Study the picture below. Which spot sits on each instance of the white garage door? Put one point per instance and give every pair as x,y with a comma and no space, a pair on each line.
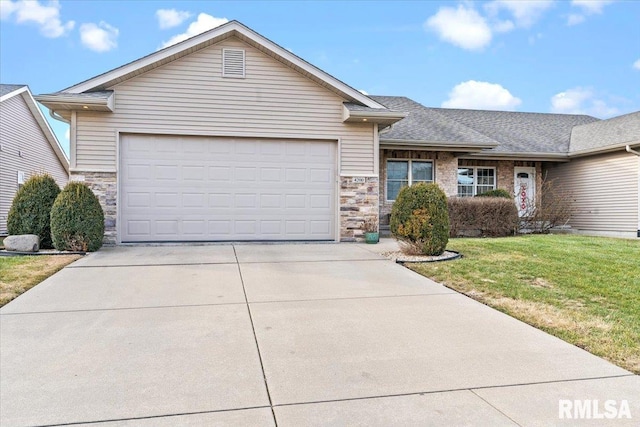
175,188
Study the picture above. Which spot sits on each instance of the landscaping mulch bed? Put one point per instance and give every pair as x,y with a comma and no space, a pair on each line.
401,258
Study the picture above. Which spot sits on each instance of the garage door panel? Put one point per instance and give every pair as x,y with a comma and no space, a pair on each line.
197,188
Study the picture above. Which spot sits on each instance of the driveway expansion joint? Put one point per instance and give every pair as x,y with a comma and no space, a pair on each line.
149,265
495,408
91,310
150,417
471,389
255,337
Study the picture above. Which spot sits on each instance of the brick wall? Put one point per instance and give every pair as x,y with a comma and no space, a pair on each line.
104,186
445,167
358,202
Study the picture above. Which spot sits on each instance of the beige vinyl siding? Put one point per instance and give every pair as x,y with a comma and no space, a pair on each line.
606,191
190,97
21,133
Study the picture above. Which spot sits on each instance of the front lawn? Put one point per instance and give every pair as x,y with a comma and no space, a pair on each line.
584,290
20,273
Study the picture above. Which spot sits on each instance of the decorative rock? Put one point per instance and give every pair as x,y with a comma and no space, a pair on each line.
22,243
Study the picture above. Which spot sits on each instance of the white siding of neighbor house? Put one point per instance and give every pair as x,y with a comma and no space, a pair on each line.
189,96
606,191
24,148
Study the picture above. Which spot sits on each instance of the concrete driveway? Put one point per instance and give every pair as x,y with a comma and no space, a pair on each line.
287,335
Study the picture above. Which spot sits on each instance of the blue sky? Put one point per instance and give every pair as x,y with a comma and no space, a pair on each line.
580,56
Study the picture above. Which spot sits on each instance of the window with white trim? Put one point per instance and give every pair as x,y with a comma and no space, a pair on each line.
406,172
475,180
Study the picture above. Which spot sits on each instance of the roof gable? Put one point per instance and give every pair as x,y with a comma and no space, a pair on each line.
9,91
603,134
201,41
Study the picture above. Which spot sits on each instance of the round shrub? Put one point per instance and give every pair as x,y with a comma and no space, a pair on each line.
77,219
497,193
419,219
29,213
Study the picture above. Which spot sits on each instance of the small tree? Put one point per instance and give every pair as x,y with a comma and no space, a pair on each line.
31,207
554,208
77,219
420,220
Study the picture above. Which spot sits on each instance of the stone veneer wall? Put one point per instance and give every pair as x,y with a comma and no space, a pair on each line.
358,202
104,186
446,173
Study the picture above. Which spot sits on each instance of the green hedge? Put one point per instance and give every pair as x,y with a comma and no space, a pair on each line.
419,219
77,219
31,208
482,217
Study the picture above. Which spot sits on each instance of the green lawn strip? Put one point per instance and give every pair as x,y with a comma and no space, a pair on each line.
585,290
21,273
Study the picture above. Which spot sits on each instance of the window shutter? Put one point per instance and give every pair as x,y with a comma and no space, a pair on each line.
233,64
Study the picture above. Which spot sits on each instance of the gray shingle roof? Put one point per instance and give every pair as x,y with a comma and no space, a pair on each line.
5,89
423,124
521,132
512,132
617,130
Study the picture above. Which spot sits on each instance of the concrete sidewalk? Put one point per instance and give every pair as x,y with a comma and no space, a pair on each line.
288,335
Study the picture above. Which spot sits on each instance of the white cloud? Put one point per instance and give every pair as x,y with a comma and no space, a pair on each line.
481,95
100,38
575,19
636,65
591,6
463,27
169,18
503,26
525,13
47,17
587,7
581,100
203,23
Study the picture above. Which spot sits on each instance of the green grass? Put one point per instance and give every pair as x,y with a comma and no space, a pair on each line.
585,290
20,273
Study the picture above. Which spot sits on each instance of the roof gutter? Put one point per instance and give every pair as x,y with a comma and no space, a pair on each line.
384,117
531,156
629,150
71,101
440,145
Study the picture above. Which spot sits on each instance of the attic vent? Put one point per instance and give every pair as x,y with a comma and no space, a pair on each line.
233,63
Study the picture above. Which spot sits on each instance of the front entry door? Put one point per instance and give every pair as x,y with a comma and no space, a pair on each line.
525,189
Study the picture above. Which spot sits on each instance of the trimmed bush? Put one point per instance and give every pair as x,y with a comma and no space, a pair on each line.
77,219
419,219
482,217
31,207
497,193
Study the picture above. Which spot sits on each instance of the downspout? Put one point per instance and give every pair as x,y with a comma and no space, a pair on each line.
629,150
58,117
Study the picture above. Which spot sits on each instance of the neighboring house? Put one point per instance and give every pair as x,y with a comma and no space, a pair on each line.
228,136
604,176
27,146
